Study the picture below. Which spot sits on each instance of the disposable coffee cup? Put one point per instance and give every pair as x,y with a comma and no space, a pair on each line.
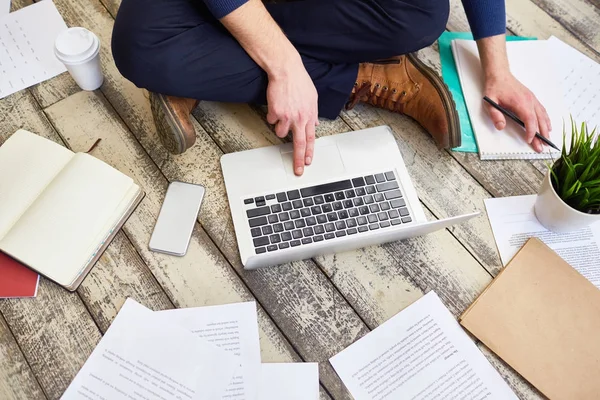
79,50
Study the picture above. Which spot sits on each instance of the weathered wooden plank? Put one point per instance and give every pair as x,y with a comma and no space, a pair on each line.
55,332
18,4
203,276
16,378
120,273
21,111
525,18
112,6
581,17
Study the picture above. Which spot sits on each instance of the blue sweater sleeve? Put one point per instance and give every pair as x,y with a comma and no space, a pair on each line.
220,8
486,17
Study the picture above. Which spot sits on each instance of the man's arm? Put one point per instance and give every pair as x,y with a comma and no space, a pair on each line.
487,19
502,87
291,94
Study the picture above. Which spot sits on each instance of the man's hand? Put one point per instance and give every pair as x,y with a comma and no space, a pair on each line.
503,88
291,94
513,95
292,101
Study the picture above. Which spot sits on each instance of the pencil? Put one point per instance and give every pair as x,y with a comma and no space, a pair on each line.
517,120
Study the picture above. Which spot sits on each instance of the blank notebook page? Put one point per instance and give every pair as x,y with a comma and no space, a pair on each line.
28,163
59,233
530,63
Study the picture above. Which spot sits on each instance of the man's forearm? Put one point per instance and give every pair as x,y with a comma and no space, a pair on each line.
492,52
261,37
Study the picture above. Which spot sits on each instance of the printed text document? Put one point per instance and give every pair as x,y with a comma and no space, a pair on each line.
421,353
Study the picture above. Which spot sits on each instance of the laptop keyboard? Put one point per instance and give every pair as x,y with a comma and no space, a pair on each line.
325,212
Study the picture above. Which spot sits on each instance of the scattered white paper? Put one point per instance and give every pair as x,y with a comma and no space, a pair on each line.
27,47
421,353
513,223
4,7
289,381
580,82
140,358
233,328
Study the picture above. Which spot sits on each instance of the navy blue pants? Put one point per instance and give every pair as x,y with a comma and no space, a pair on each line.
176,47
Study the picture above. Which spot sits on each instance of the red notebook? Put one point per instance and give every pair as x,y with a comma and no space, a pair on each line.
16,280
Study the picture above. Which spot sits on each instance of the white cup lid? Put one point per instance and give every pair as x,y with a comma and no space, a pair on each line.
75,44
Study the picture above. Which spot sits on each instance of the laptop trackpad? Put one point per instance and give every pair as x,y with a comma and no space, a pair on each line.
326,162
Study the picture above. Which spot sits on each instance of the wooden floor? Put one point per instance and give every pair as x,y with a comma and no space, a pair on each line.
308,310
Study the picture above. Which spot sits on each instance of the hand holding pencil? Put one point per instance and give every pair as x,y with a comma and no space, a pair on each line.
511,95
512,116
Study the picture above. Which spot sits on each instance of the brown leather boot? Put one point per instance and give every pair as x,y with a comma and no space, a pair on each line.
173,122
404,84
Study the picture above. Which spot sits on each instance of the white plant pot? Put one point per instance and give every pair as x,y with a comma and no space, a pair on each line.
556,215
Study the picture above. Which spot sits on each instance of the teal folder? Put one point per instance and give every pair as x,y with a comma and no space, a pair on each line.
450,75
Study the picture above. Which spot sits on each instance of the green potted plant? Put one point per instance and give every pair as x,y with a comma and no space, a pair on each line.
569,198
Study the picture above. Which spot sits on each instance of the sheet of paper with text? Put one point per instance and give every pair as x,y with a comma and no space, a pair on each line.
140,358
27,46
580,82
420,353
513,222
231,327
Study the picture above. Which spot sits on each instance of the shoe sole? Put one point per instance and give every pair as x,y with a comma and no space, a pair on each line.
170,132
447,100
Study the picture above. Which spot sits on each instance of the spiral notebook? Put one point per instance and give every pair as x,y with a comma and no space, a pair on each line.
532,64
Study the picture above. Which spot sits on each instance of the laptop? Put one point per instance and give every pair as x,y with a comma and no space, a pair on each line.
356,193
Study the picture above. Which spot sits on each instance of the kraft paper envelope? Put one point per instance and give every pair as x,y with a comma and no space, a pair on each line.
542,318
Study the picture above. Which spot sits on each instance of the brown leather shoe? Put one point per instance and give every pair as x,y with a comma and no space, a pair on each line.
404,84
173,123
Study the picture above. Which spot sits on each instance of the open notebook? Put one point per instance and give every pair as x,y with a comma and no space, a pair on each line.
59,209
530,63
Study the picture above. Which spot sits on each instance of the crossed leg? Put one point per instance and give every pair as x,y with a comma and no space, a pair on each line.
178,48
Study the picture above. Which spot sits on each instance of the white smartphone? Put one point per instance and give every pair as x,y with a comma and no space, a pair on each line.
177,218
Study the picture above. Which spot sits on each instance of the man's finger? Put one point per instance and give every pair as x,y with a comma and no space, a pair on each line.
531,126
537,145
310,142
272,117
299,148
282,128
542,121
496,116
547,118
